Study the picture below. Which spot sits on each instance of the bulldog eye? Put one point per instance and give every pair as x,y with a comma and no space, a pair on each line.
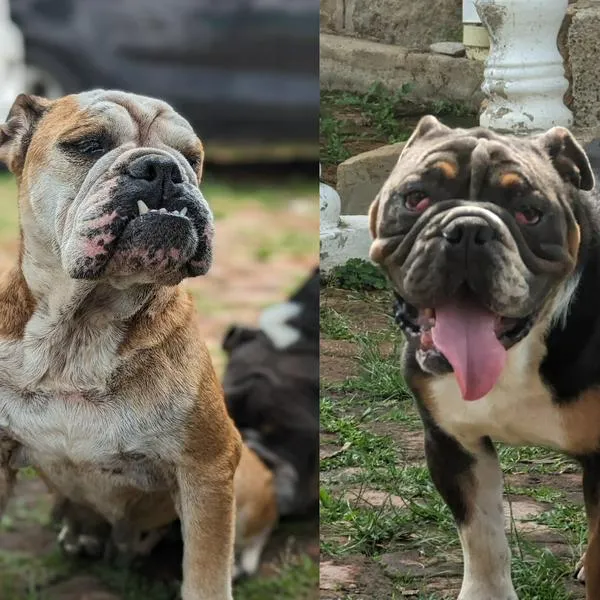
528,216
89,147
193,160
416,201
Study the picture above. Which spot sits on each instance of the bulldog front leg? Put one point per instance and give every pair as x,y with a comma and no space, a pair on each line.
471,485
590,571
8,471
206,510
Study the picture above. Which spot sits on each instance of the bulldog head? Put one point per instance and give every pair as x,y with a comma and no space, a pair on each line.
108,187
478,233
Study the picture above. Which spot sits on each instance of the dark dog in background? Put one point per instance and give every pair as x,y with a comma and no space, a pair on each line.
272,392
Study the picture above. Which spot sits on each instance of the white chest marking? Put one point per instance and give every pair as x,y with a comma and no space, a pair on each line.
273,322
518,411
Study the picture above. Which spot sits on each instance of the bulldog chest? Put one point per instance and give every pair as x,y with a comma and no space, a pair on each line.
518,411
66,436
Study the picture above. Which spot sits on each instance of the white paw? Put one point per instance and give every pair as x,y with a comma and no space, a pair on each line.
580,570
79,545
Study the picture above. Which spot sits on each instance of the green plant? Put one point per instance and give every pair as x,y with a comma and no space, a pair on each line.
334,151
357,274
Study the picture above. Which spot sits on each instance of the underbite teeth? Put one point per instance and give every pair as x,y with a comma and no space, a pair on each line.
143,208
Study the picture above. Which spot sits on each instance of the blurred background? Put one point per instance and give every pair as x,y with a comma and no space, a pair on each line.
245,74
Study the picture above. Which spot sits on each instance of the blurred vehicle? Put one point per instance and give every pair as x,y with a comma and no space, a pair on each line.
239,70
12,66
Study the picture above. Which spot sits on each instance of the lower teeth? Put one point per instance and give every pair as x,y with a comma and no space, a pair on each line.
164,211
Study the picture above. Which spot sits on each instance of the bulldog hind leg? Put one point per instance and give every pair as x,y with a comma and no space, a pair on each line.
471,485
588,569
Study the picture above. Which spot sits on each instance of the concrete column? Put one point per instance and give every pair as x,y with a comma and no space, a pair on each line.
524,75
342,237
475,35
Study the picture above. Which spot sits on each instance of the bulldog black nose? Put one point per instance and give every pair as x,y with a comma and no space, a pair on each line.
156,169
467,231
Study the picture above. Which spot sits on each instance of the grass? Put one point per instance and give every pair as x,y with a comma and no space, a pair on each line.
295,580
377,498
379,375
351,123
334,325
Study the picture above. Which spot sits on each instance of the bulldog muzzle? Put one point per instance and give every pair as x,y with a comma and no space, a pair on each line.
142,215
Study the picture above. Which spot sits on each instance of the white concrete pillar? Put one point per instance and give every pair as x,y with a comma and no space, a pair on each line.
342,237
524,75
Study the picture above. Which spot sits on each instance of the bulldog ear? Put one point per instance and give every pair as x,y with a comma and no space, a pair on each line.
15,134
568,157
427,126
236,336
373,211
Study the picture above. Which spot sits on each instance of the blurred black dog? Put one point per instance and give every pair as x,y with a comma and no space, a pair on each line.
272,391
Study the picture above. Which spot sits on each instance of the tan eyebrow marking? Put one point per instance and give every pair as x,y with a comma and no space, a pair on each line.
448,168
511,179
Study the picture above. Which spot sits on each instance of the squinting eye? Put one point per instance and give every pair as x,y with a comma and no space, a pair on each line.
89,147
528,216
417,201
194,161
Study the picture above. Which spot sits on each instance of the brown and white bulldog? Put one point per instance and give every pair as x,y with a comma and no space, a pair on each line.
105,385
492,245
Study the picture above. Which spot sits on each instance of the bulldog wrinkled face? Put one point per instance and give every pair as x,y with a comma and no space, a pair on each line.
478,236
112,186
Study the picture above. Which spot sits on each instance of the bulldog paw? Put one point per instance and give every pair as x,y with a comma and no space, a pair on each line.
580,570
79,544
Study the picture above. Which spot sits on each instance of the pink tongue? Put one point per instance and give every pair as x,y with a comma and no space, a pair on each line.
465,335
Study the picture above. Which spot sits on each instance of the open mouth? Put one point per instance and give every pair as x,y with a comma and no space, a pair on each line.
464,337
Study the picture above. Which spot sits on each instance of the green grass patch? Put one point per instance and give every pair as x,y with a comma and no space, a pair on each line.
295,580
379,107
291,243
368,460
533,459
225,196
380,377
331,129
538,574
130,585
333,325
352,122
357,274
364,449
567,518
22,575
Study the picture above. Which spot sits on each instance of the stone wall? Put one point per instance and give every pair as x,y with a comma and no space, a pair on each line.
412,24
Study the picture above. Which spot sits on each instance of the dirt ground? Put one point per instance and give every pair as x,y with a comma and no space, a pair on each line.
266,244
385,532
